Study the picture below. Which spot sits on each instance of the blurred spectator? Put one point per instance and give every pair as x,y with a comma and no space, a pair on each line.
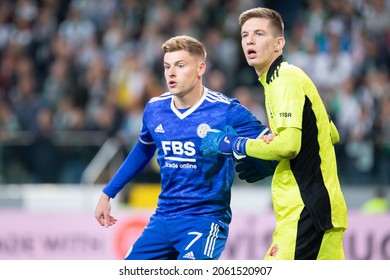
66,115
132,121
113,39
222,55
216,80
246,98
39,48
96,82
56,84
376,16
332,66
25,14
128,81
9,124
8,63
360,148
344,107
7,27
76,30
26,102
44,157
109,119
383,134
98,11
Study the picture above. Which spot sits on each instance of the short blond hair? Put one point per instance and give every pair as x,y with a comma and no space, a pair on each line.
186,43
260,12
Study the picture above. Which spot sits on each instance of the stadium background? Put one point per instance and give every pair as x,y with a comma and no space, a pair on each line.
74,78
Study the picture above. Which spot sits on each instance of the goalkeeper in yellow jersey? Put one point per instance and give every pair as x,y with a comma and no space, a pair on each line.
310,210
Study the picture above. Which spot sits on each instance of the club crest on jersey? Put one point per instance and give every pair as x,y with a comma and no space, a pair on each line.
202,129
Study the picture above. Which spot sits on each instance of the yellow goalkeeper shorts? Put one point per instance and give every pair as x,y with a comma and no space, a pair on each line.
298,240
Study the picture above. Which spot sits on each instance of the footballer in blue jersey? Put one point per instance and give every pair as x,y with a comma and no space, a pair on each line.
193,212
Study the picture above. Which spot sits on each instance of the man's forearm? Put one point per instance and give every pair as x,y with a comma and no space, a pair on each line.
285,145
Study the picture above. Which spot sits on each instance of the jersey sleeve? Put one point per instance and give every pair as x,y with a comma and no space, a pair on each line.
137,159
288,113
145,136
285,145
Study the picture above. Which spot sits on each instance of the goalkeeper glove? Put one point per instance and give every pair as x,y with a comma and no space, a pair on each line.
218,142
253,169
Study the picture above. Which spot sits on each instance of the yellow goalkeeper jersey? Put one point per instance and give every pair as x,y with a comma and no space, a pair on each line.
310,179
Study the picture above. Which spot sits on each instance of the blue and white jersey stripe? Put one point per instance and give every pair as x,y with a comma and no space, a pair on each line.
213,96
212,237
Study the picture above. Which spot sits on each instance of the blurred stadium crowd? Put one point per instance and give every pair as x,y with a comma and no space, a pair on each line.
74,73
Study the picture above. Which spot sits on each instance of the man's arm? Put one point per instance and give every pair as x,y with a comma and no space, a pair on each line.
285,145
135,162
138,158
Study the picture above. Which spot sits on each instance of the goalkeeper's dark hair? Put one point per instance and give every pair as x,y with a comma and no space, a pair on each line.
185,43
260,12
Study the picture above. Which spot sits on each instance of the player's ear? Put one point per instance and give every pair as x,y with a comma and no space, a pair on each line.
280,43
201,68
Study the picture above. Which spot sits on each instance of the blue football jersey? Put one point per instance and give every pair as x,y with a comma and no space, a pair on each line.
192,184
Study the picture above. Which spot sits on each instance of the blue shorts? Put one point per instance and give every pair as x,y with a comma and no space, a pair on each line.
188,238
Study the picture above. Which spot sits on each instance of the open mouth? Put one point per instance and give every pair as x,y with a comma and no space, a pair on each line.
251,53
172,83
